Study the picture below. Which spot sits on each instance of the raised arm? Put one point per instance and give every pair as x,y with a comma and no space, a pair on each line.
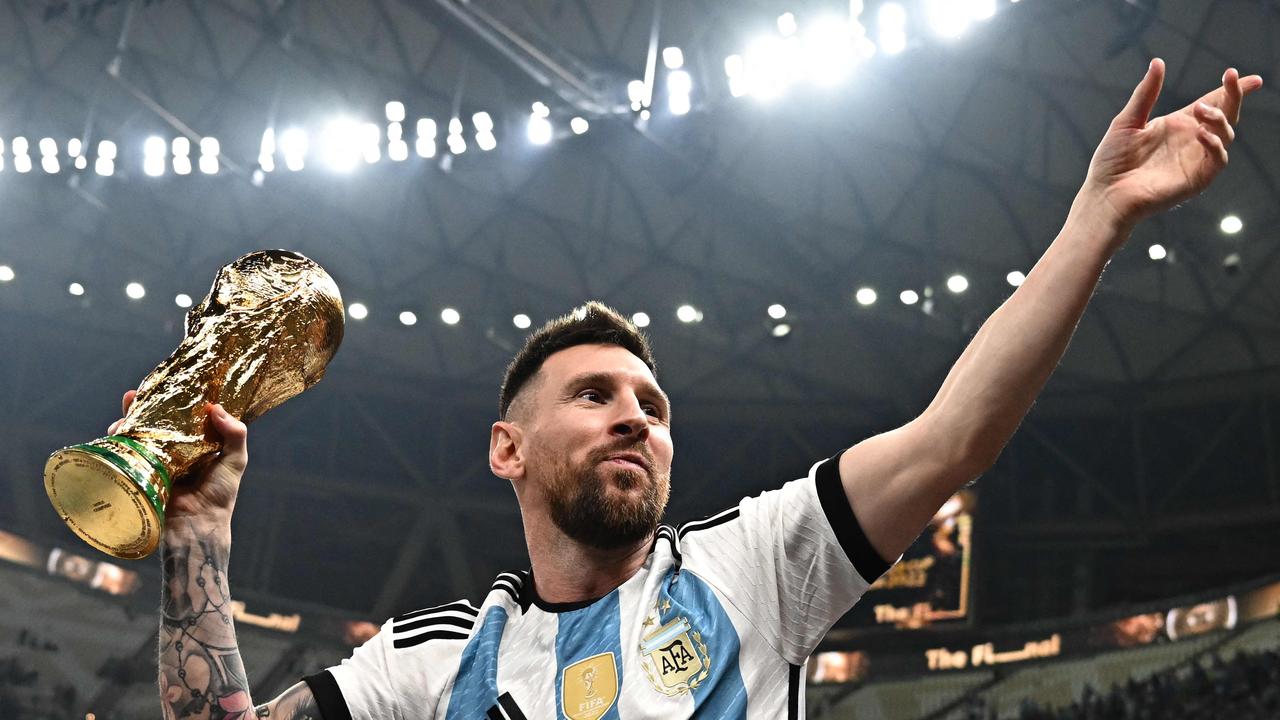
201,673
898,480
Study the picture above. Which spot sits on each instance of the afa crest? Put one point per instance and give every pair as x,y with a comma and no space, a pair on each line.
588,688
674,656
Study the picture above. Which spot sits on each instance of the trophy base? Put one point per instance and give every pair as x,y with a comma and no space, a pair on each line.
112,493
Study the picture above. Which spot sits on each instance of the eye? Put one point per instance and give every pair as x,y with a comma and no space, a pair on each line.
651,409
594,396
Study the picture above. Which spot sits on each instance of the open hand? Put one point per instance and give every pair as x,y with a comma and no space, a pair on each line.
210,494
1144,166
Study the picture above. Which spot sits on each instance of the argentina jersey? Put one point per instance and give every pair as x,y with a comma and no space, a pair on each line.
718,623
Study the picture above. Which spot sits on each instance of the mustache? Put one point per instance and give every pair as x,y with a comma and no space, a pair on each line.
639,448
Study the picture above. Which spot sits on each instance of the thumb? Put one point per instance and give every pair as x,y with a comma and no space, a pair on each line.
233,435
1143,101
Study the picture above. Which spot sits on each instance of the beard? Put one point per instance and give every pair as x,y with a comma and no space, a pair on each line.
584,508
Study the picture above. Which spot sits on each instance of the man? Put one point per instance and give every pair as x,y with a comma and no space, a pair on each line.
623,617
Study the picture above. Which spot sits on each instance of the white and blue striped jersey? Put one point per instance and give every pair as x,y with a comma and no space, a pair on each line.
718,623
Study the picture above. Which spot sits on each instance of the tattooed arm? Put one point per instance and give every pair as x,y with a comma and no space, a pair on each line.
296,703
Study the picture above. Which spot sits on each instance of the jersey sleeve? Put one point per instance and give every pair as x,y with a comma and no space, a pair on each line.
360,688
792,560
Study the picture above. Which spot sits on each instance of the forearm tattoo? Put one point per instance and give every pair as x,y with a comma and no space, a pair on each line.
296,703
201,673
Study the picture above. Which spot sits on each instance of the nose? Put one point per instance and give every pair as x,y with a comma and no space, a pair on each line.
632,421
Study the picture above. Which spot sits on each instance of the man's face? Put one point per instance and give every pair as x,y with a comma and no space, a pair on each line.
598,445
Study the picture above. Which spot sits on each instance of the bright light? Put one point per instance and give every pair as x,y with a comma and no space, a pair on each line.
81,163
181,146
209,164
981,9
267,151
679,104
828,53
640,319
679,82
539,130
6,273
74,147
1157,252
408,318
865,296
135,291
579,125
688,314
425,145
395,131
770,65
50,164
340,145
395,111
210,146
521,321
155,145
948,18
450,316
541,110
1015,278
182,300
22,163
787,24
105,167
153,165
75,289
486,141
19,146
182,165
482,122
892,21
398,150
293,143
48,146
781,330
427,128
909,297
107,150
457,144
735,70
957,283
673,58
777,312
357,311
636,92
1231,225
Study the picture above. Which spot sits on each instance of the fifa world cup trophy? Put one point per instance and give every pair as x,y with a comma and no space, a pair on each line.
265,332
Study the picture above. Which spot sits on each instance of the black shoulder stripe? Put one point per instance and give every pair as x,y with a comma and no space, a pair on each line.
408,642
835,505
432,622
508,704
494,714
459,606
707,523
328,696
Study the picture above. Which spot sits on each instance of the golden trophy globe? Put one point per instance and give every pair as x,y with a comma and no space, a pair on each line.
264,333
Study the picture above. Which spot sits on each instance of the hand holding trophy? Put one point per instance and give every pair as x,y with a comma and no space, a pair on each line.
266,331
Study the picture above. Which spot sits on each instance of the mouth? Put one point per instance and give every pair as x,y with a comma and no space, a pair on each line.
629,461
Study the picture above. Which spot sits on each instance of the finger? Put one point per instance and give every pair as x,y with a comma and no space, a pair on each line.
113,427
1234,94
1135,113
233,434
1215,119
127,401
1213,144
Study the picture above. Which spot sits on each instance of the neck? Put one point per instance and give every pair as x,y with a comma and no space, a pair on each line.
565,571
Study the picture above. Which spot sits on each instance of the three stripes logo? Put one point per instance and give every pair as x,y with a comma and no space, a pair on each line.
444,622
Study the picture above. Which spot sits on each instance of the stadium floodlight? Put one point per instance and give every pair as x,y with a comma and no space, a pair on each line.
267,150
892,24
781,330
829,51
948,18
293,144
340,144
540,109
672,58
181,146
450,316
107,149
74,147
104,166
735,70
49,155
457,144
640,319
522,321
408,318
787,24
371,142
153,155
636,92
398,150
770,64
688,314
20,146
425,145
909,297
777,312
865,296
81,162
679,82
482,122
1157,252
135,291
76,289
1231,225
579,125
395,131
6,273
395,111
1016,278
679,104
22,163
210,149
540,130
981,9
957,283
182,165
357,311
182,300
48,146
486,141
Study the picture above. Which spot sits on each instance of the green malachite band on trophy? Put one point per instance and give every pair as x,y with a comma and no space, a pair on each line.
161,470
147,487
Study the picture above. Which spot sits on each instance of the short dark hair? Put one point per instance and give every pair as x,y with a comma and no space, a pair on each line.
592,324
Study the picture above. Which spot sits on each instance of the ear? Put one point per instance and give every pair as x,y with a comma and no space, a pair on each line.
505,457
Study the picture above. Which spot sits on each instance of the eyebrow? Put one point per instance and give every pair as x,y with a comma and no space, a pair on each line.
611,378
